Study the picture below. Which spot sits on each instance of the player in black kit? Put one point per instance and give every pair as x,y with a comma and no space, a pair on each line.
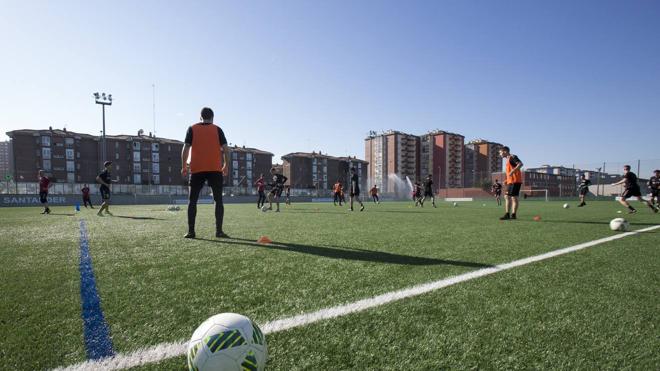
497,191
654,187
355,189
277,186
583,189
428,190
631,189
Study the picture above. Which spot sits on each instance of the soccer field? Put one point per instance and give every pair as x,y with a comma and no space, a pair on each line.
596,308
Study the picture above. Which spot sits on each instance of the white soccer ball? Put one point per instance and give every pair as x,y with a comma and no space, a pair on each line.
566,206
227,342
171,208
177,208
264,208
619,224
455,204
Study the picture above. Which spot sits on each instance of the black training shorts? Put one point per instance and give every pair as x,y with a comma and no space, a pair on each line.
631,192
276,191
513,190
43,197
584,191
355,192
105,192
428,193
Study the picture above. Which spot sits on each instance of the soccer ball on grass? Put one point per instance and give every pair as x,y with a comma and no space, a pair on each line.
227,341
566,206
264,208
619,224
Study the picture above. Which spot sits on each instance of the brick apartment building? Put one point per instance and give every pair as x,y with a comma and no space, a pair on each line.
318,171
391,155
69,157
482,158
442,155
245,166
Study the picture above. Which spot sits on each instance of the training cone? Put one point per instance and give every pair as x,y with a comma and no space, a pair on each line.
264,240
537,218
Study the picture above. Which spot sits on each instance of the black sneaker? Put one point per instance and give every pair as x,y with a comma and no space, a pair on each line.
48,211
361,207
189,235
513,216
221,235
505,217
633,211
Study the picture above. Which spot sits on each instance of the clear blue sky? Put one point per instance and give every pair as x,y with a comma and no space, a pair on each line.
560,82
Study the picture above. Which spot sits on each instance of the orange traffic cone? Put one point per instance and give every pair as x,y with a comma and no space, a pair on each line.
264,240
537,218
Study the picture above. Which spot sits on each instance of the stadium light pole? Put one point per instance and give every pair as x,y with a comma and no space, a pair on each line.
103,100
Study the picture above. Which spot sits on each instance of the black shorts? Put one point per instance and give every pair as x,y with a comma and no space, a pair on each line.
43,197
631,192
513,190
276,191
355,192
655,193
105,192
584,191
428,193
498,193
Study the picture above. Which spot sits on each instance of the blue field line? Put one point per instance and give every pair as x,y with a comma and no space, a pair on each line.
97,334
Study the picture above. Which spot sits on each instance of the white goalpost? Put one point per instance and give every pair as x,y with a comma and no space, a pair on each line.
536,193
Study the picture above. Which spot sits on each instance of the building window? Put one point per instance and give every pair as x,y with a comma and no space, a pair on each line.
136,156
235,182
46,165
137,167
116,145
68,141
70,166
116,156
248,157
45,141
155,157
117,167
169,148
169,169
136,146
137,179
156,179
78,166
70,177
249,175
45,153
154,147
77,154
234,164
155,167
69,154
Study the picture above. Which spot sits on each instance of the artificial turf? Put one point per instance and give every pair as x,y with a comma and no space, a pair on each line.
592,309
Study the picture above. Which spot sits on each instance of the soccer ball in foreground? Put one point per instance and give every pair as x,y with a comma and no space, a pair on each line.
455,204
619,224
264,208
566,206
227,341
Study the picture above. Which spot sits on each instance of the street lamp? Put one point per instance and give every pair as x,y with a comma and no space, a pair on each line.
103,100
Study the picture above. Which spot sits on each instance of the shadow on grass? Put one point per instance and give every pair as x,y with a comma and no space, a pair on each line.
350,253
60,214
138,217
590,222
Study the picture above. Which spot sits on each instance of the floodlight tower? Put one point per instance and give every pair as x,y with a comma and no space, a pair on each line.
103,100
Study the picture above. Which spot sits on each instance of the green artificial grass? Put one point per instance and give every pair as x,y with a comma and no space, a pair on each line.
573,311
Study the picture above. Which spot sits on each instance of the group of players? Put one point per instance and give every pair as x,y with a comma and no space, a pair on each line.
204,159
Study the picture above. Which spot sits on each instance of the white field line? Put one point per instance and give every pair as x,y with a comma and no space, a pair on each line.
164,351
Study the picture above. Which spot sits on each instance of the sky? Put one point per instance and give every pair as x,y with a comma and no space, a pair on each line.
560,82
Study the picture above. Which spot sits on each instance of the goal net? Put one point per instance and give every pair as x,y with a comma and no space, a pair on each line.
538,194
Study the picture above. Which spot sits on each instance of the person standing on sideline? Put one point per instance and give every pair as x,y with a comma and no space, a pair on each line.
355,189
261,187
583,189
85,196
654,187
631,189
105,179
497,191
513,182
337,192
374,194
206,146
44,186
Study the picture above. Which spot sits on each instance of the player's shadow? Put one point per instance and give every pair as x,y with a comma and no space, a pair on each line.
315,212
351,253
592,222
62,214
137,217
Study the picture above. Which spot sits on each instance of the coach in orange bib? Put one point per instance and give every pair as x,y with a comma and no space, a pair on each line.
206,146
513,183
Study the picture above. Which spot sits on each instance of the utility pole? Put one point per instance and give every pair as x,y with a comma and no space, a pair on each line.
103,100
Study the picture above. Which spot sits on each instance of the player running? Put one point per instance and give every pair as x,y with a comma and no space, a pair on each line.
261,187
374,194
417,194
654,186
583,189
428,190
355,189
513,182
277,186
206,145
105,180
85,196
337,190
631,189
44,186
496,189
